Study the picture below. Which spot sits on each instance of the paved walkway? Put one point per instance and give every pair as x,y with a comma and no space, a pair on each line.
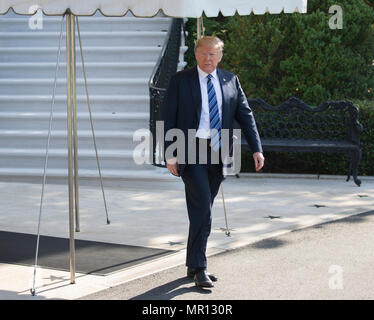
153,214
332,260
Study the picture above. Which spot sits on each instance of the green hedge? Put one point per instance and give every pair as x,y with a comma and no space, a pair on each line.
280,56
367,137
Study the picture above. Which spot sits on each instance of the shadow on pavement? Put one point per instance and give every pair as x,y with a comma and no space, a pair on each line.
357,218
269,243
171,289
12,295
276,242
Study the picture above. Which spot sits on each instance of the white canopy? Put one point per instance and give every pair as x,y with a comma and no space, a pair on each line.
149,8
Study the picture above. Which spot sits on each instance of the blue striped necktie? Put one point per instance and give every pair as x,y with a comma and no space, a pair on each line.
215,121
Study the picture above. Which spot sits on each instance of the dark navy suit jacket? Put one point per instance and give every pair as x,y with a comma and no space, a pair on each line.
182,108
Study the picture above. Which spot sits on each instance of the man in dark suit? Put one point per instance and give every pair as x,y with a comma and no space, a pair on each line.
208,100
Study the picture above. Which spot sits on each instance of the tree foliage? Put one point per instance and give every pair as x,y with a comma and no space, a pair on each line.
285,55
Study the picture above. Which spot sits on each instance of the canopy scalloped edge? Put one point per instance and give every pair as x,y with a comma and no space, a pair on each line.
147,8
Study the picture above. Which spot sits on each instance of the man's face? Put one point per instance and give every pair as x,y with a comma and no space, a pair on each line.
207,58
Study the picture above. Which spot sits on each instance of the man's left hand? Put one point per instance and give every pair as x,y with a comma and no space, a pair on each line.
259,160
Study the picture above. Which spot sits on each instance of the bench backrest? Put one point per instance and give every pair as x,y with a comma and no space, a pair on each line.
294,119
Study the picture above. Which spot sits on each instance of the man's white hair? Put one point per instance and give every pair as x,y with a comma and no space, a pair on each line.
210,41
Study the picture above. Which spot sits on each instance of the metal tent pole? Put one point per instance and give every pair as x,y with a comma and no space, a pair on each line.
227,232
69,53
200,28
75,135
198,31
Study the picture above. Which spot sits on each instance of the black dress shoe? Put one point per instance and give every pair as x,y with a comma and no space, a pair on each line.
202,280
191,273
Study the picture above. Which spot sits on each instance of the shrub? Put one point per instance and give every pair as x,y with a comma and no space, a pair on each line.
280,56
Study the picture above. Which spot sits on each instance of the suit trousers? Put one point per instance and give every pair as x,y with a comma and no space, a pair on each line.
202,182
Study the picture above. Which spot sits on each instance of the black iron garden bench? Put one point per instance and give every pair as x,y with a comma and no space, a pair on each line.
294,126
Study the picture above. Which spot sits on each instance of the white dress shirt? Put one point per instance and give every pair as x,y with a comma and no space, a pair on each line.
204,125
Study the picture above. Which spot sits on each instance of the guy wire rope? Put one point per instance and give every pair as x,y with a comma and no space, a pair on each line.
91,121
32,290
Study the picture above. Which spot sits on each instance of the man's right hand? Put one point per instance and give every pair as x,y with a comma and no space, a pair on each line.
172,166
